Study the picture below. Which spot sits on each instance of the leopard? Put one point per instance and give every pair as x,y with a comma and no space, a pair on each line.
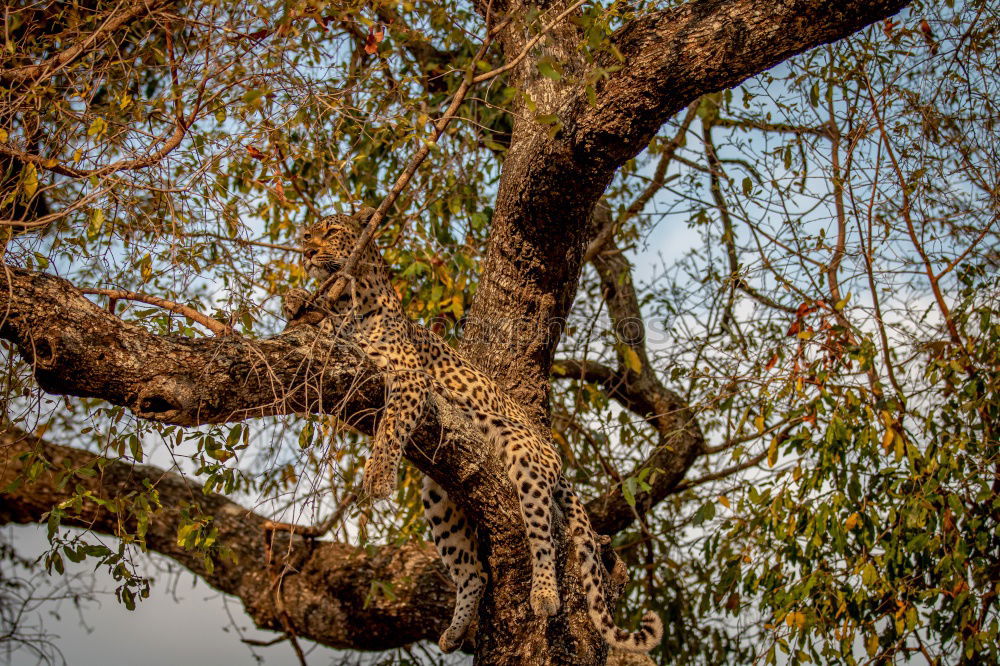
416,362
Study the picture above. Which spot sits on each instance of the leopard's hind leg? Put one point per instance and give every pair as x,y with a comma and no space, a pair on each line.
533,468
455,539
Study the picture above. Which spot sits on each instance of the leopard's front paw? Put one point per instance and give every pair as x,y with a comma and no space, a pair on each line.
294,302
379,480
450,640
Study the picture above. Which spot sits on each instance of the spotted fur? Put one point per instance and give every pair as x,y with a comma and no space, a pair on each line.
415,362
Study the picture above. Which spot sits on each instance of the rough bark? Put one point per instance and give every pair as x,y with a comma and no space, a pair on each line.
551,182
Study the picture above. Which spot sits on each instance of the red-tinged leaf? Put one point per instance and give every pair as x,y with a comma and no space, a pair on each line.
925,28
805,309
794,328
279,189
258,35
256,154
888,26
770,364
375,35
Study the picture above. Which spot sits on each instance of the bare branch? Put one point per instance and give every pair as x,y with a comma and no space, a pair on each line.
213,325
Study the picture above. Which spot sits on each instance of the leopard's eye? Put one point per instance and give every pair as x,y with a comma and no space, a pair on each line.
306,237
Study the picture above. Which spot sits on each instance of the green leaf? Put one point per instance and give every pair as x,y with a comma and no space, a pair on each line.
628,490
306,436
550,70
135,447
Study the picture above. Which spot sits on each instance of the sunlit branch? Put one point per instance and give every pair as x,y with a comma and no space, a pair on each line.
213,325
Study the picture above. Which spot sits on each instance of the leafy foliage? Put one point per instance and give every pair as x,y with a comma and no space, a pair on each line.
831,314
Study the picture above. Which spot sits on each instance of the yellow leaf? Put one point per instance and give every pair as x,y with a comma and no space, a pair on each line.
872,645
805,335
772,452
96,222
51,162
29,182
77,155
759,422
887,440
632,360
3,136
97,128
724,501
852,521
796,619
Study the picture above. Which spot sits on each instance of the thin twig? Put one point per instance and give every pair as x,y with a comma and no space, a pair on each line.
956,337
313,531
213,325
39,70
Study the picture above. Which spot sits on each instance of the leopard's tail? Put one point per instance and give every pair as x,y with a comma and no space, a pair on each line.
651,630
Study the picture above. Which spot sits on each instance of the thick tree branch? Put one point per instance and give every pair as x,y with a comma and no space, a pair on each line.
326,587
539,232
634,384
673,56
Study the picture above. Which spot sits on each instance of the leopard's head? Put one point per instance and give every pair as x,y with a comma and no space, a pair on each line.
327,244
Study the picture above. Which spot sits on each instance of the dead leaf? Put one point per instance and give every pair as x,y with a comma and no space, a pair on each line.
805,309
256,154
925,28
375,35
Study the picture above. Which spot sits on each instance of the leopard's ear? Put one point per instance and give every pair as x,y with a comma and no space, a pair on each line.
363,215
